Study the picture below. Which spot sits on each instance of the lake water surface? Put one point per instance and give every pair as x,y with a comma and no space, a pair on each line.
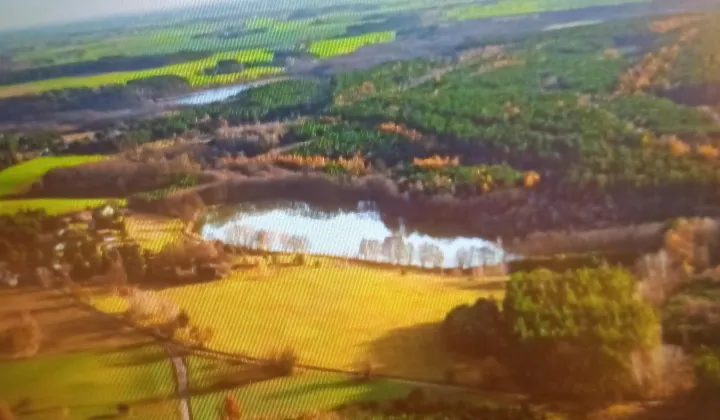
337,233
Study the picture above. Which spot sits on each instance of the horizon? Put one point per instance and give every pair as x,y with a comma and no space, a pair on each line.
19,16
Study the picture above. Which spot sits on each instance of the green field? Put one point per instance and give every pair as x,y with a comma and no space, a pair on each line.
521,7
53,205
302,393
192,71
90,384
17,178
333,316
346,45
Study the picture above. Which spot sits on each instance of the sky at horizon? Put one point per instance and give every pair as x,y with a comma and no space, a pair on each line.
19,14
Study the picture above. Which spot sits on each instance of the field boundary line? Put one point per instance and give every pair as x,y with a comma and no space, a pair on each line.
211,354
177,361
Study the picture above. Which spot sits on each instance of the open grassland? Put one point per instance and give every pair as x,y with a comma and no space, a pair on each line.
346,45
17,178
154,232
192,71
521,7
334,316
86,363
279,397
54,205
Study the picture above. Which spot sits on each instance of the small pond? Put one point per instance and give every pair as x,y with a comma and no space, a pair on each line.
297,226
209,96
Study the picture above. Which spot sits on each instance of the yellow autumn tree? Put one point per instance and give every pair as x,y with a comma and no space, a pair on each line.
530,179
708,151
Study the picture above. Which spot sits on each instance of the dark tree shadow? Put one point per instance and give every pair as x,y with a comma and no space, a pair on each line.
414,352
488,286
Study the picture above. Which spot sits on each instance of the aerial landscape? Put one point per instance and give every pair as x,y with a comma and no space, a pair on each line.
363,210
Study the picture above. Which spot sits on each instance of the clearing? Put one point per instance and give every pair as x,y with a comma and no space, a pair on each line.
17,178
335,316
86,365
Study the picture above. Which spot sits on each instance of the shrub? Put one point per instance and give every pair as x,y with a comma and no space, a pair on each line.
707,371
366,371
231,408
281,363
563,320
300,259
201,335
25,338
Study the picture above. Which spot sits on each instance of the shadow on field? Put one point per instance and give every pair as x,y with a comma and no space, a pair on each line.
414,352
212,378
483,286
311,388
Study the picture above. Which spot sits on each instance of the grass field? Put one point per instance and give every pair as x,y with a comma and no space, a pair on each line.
53,205
85,363
521,7
298,395
340,46
16,179
192,71
333,316
91,384
302,393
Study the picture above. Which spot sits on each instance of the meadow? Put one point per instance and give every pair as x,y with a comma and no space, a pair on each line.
192,71
16,179
346,45
334,316
90,384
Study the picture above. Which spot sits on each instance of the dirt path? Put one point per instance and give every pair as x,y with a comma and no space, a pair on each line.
182,381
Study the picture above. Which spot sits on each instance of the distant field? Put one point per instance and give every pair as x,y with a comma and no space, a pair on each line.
521,7
19,177
53,205
332,316
192,71
347,45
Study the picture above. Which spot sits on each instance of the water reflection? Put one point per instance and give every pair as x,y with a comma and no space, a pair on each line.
209,96
356,233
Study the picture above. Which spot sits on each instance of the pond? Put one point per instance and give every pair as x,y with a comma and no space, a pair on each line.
217,94
355,233
209,96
